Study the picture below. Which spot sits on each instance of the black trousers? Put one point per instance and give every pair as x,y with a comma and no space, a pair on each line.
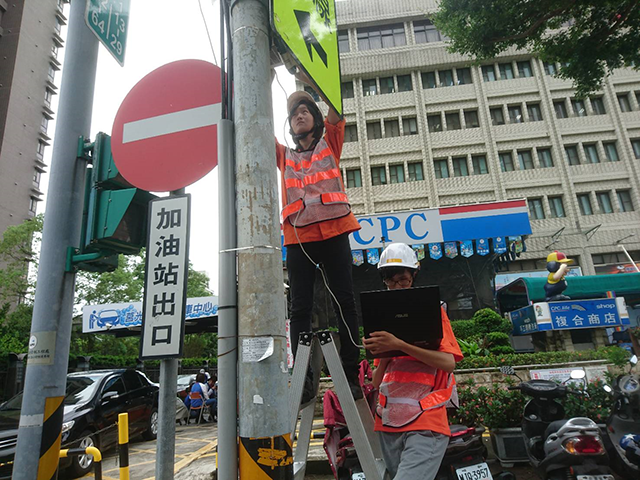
334,255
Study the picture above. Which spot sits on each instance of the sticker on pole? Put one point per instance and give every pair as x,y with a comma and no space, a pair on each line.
165,290
165,134
309,31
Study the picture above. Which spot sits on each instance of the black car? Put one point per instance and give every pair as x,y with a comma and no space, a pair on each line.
91,406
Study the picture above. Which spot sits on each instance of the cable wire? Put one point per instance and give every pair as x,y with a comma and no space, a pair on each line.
206,27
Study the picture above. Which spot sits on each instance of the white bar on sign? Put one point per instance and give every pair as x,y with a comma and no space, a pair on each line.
175,122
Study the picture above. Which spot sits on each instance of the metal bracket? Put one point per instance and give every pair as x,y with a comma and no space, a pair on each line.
305,339
75,258
325,337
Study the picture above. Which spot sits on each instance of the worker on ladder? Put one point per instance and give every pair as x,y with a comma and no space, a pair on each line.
317,220
415,389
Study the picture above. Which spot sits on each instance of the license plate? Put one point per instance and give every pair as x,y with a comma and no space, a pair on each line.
474,472
358,476
594,477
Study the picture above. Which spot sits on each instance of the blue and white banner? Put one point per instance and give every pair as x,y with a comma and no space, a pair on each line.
451,249
524,321
373,256
435,251
499,245
357,257
419,249
482,246
584,314
466,248
117,316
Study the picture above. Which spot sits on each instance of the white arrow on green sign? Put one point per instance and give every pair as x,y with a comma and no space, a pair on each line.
309,31
109,20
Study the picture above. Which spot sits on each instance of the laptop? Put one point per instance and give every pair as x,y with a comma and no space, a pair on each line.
411,314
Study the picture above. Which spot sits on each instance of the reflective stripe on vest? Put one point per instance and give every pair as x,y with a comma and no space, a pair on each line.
313,186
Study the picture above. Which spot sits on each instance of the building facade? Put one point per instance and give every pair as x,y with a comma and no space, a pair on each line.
428,128
30,38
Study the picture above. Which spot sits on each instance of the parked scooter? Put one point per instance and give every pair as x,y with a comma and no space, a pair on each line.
560,448
624,423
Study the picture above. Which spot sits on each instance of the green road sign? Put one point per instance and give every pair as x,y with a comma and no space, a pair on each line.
109,20
308,30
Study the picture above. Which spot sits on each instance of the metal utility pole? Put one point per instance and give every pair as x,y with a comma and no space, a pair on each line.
228,309
265,443
41,417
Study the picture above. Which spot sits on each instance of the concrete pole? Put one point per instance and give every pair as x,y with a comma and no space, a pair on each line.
166,442
228,309
53,309
262,365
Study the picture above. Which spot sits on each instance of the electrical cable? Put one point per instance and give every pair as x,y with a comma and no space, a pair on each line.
208,35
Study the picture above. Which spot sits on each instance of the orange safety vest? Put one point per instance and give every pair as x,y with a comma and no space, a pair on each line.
314,187
407,390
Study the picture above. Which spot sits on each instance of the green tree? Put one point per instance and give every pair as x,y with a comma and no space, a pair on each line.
589,38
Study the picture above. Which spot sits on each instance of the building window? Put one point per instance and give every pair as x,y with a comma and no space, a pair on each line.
40,149
378,176
350,133
374,130
524,69
604,202
387,85
533,109
578,108
404,83
489,73
396,173
434,122
381,36
506,71
536,211
354,178
313,93
54,50
525,160
471,119
37,175
415,171
460,167
497,115
611,151
598,106
347,89
464,76
557,207
638,96
425,32
51,74
48,96
561,109
479,163
44,124
635,144
453,121
545,158
369,87
441,168
33,204
409,126
391,128
446,78
515,113
584,202
591,153
506,161
428,80
623,101
343,41
550,68
572,155
624,200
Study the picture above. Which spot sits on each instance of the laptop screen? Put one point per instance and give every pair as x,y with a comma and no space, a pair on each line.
411,314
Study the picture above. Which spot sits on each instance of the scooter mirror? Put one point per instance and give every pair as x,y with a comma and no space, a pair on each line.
607,389
507,370
577,374
633,360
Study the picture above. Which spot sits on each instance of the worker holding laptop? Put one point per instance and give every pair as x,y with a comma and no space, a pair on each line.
416,384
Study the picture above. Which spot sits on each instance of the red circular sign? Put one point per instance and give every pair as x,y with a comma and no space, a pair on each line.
165,133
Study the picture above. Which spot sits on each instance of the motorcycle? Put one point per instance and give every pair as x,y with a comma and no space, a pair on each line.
624,423
560,448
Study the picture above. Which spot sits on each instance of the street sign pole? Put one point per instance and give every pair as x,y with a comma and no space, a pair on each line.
41,416
265,442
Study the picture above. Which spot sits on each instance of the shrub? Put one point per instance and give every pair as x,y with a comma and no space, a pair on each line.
464,329
488,321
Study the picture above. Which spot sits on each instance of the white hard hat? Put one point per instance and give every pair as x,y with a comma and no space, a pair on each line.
398,255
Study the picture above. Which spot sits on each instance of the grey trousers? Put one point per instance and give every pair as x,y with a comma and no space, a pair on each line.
413,455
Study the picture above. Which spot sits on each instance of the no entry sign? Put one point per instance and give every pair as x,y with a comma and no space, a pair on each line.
165,133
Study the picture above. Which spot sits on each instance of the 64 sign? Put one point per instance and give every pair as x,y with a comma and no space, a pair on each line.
109,21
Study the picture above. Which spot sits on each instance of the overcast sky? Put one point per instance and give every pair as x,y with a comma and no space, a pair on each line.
160,32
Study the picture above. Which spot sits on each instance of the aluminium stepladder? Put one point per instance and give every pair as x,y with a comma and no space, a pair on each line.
357,413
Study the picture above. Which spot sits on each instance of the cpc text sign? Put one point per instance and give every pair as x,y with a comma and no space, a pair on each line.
165,293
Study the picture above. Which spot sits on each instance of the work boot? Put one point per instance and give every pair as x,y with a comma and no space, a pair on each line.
307,391
353,379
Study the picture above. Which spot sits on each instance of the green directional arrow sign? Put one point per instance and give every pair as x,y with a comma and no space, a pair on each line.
309,32
109,20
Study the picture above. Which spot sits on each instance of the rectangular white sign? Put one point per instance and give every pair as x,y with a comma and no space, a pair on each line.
165,292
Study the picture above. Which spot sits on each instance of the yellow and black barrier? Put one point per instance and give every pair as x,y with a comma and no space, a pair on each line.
97,458
123,445
266,458
51,436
